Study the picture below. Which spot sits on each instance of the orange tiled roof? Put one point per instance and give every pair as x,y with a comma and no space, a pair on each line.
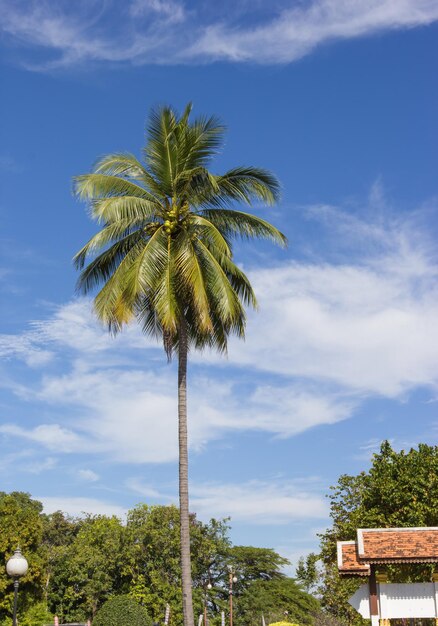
392,545
387,545
348,560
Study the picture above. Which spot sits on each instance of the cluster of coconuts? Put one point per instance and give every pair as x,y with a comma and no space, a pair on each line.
174,218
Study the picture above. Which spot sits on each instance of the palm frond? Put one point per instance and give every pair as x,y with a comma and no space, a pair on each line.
246,184
148,318
96,186
116,231
199,142
208,232
191,280
223,299
120,164
110,305
238,280
117,208
160,151
244,225
147,268
127,165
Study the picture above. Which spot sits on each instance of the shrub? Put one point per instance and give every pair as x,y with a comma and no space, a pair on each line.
36,615
122,611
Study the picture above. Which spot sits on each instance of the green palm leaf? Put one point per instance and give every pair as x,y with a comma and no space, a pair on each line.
116,208
233,223
95,186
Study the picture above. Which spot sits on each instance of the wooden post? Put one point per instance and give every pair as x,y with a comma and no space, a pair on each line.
374,604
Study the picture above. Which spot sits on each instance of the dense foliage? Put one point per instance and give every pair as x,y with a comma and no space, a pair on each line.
399,490
122,611
77,565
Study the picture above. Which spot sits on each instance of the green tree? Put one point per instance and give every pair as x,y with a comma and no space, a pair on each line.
59,533
307,570
256,563
20,525
399,490
275,599
153,558
261,587
164,253
122,611
89,570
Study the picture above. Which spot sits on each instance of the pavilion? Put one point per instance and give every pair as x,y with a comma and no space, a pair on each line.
374,547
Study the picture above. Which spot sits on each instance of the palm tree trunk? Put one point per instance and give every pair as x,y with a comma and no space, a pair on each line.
186,572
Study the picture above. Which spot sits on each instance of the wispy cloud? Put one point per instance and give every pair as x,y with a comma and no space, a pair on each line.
77,506
254,502
367,325
88,475
301,27
52,436
168,9
257,502
328,336
165,31
24,347
97,397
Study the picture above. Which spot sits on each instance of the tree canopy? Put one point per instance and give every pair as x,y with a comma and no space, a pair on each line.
399,490
77,565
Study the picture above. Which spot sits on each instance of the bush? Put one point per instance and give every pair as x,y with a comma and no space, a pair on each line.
122,611
36,615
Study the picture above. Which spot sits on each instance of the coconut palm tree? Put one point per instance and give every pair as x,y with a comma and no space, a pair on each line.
163,255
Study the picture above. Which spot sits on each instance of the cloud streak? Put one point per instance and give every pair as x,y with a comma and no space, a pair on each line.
167,32
257,502
254,502
328,336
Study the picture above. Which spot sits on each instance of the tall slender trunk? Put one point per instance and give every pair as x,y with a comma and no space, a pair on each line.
186,570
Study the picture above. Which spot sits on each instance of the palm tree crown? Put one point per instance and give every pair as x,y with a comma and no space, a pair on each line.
164,251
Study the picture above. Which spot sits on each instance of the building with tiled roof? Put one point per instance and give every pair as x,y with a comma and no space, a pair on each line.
376,546
387,545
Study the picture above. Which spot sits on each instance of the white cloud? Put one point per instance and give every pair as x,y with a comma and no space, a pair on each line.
367,326
146,490
25,348
25,460
156,31
74,326
254,502
77,507
257,502
36,466
329,335
167,9
52,436
298,30
88,475
131,415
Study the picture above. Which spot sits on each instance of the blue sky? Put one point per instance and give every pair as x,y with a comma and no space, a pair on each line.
339,99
